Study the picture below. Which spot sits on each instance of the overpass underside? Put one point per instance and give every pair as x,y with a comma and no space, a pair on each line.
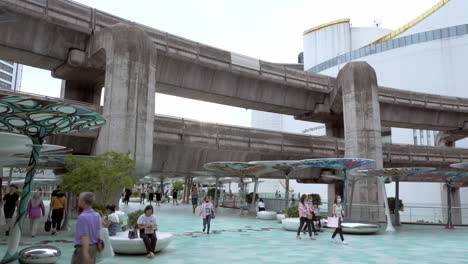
91,49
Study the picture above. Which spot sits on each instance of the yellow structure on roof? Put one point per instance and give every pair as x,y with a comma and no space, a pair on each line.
283,183
411,23
329,24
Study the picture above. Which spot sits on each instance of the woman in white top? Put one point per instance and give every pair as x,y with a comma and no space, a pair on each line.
148,224
207,213
261,205
338,212
111,222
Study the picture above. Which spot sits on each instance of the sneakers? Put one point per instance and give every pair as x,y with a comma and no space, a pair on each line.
332,240
298,237
344,242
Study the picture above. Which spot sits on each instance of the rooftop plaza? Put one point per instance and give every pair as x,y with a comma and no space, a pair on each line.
246,239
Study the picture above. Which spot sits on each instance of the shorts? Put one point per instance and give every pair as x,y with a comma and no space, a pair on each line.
194,201
9,212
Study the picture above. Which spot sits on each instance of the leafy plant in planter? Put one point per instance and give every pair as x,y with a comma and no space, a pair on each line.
292,211
133,217
135,194
99,208
316,199
391,204
248,197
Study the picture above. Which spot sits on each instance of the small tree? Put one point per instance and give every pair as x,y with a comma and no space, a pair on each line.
105,174
178,185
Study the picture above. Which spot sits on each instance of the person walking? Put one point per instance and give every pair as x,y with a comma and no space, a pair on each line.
261,205
128,193
35,210
148,225
194,199
175,192
10,203
305,217
150,190
58,203
158,196
207,213
142,194
338,212
111,221
87,231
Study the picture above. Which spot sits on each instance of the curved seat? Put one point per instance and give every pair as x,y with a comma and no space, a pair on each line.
266,215
280,217
39,254
290,224
123,245
358,227
134,199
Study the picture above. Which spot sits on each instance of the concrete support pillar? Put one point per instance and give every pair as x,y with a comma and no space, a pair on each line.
83,91
335,128
331,198
361,115
129,59
456,202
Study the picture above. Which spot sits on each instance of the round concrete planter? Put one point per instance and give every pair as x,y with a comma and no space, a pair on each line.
280,217
123,245
290,224
266,215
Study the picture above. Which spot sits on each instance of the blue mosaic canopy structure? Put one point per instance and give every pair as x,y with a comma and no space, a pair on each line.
38,119
343,164
448,177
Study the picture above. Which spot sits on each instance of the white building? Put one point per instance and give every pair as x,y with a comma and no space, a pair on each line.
428,54
10,75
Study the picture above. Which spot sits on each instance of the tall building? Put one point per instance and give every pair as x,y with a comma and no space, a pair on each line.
428,55
10,75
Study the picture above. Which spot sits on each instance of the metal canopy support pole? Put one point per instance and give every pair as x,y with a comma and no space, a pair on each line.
344,198
216,192
348,213
449,206
397,201
286,196
254,201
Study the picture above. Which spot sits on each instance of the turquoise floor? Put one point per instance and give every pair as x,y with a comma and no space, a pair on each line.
239,239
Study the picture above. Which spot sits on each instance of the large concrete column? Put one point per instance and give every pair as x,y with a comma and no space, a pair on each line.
361,115
129,59
82,90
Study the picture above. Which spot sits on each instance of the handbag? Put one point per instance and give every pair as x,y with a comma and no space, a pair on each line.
100,245
332,222
48,224
132,234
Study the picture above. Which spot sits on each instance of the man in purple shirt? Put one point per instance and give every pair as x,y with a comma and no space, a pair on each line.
87,231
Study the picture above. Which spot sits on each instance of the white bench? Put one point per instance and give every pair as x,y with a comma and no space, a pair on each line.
290,224
280,217
123,245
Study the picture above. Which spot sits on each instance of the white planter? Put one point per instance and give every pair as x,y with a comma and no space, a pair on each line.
123,245
290,224
280,217
266,215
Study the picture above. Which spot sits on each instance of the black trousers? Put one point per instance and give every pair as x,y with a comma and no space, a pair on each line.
311,225
149,240
338,230
305,221
57,216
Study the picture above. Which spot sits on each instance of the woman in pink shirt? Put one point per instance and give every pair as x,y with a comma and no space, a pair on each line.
305,216
35,210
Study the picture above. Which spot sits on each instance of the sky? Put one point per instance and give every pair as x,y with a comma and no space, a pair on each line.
270,30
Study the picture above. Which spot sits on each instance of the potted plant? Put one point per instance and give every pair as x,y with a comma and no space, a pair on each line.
392,206
316,199
133,217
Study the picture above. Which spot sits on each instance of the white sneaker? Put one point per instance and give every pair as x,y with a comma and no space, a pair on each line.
332,240
344,242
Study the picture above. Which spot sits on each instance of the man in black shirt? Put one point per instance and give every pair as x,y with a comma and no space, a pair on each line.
10,202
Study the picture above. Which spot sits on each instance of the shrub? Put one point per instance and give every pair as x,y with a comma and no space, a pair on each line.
248,197
135,194
133,217
99,208
292,211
